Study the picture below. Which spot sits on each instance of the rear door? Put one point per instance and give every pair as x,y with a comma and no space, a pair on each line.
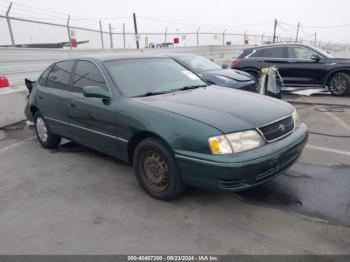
53,97
272,56
93,120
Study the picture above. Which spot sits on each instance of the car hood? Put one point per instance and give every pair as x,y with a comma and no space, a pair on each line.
231,73
225,109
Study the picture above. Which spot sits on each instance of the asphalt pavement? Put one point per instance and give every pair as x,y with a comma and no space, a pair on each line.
73,200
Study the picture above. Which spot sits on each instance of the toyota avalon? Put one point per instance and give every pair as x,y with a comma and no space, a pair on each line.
163,119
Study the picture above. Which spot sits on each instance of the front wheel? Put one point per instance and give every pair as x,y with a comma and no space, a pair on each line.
339,84
156,170
46,139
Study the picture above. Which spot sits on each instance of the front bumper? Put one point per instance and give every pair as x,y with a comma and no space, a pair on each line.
246,170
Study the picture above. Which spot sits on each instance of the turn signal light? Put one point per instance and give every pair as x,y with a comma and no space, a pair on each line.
4,82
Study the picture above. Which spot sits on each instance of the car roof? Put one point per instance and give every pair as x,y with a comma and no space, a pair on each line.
179,54
111,57
275,45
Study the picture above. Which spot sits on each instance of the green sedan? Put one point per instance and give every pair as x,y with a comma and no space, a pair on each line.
174,129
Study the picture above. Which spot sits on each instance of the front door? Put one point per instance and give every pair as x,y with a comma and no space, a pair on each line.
301,70
93,120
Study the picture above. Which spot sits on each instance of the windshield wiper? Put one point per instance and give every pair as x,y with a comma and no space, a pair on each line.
153,93
188,87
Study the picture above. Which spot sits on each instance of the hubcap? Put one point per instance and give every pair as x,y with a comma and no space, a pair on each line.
338,84
154,171
41,129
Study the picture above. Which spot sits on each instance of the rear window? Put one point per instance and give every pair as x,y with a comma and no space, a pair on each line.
198,63
59,76
43,77
245,53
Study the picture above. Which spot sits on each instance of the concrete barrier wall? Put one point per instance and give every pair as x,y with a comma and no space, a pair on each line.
12,104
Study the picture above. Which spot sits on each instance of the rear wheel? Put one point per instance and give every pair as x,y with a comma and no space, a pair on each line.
156,170
339,84
46,139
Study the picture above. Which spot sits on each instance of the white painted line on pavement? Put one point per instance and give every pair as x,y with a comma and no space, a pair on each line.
339,121
7,148
325,149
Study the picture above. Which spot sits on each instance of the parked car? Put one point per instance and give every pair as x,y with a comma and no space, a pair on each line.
161,45
215,74
299,66
175,130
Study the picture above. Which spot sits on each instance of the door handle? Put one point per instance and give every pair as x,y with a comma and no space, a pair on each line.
40,97
72,105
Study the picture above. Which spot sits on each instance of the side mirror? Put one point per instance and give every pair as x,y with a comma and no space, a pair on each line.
96,91
224,66
316,58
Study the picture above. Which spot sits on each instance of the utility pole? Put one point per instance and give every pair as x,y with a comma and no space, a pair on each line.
296,39
110,35
274,31
223,37
68,30
315,38
136,33
9,25
262,38
165,34
103,46
198,36
124,34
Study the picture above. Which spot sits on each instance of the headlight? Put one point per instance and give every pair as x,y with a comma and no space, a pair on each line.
226,80
296,119
235,142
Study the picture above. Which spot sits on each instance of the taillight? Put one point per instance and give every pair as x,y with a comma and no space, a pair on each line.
235,63
4,82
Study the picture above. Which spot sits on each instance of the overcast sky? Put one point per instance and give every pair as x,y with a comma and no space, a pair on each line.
234,16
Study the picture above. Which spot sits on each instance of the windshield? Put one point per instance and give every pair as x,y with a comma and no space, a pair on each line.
324,52
198,63
137,77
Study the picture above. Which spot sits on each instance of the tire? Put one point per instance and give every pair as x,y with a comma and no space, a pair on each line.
339,84
156,170
45,137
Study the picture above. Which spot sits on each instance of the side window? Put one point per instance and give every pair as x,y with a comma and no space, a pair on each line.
87,74
43,77
59,76
300,53
274,52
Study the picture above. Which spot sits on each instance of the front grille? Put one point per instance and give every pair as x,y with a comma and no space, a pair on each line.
277,129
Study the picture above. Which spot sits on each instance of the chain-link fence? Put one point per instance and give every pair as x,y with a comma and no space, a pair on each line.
24,32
